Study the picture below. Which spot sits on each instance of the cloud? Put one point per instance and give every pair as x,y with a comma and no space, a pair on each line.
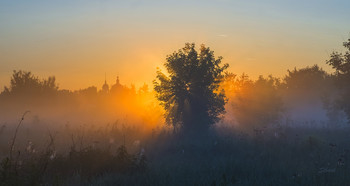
222,35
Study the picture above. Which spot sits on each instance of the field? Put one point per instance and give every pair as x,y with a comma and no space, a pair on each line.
125,156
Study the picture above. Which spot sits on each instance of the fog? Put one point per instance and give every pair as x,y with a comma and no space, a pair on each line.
293,111
111,114
303,98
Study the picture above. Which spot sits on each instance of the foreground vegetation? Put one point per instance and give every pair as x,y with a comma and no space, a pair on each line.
224,156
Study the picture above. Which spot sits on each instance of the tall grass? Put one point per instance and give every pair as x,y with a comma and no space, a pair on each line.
121,156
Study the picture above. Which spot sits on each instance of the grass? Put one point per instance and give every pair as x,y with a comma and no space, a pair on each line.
293,156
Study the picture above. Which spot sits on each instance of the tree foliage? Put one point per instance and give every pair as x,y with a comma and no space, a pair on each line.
341,63
256,104
190,93
25,83
308,78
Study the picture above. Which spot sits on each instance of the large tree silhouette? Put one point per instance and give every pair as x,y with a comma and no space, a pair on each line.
341,63
190,93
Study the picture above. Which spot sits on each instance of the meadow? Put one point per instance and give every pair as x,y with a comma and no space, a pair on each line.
118,155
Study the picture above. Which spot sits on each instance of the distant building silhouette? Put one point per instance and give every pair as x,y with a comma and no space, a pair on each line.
105,87
117,82
117,87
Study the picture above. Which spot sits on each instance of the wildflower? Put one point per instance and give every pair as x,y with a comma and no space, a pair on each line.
53,155
341,162
29,147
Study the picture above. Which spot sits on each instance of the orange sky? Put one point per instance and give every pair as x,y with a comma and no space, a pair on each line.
80,41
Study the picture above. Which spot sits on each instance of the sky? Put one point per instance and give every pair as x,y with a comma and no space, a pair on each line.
79,41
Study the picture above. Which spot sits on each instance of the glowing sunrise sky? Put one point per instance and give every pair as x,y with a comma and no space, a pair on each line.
79,41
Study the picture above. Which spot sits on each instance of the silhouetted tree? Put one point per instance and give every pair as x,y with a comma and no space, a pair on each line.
341,63
25,83
89,92
256,104
190,93
307,79
143,89
311,89
49,85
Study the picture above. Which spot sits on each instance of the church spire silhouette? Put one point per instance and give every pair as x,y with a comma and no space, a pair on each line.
105,87
117,82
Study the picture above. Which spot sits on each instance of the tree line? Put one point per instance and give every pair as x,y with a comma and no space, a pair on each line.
198,90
